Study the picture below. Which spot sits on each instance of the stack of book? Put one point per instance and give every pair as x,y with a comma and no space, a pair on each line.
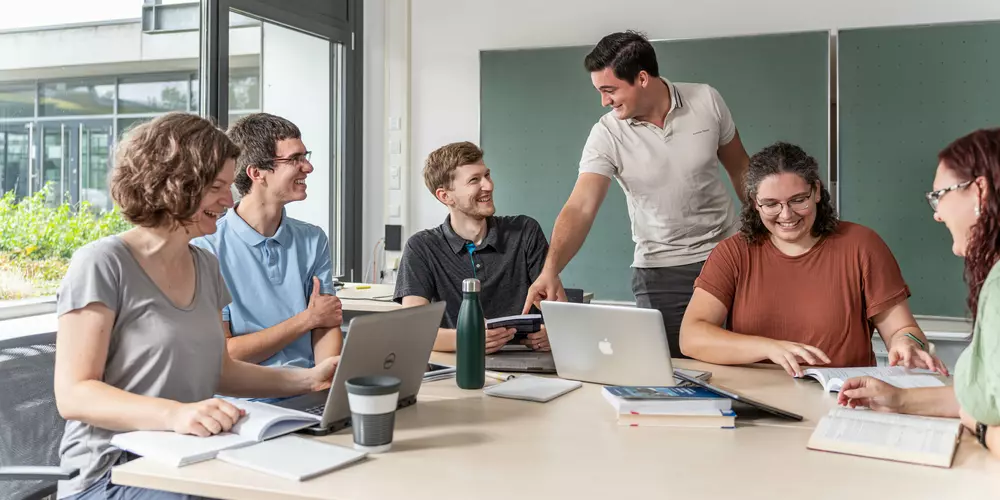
670,407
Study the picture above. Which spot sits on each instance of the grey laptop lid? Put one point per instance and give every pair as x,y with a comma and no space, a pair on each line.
612,345
520,359
396,343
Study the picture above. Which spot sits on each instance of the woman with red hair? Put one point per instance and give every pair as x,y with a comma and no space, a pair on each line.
965,199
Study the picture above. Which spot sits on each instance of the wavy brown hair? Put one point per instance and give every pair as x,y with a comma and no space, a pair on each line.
775,159
162,168
978,155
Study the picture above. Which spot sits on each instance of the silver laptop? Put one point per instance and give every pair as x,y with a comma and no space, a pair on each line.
611,345
396,343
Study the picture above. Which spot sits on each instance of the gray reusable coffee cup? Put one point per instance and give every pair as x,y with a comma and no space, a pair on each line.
373,402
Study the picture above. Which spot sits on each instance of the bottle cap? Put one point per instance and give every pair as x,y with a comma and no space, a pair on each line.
470,285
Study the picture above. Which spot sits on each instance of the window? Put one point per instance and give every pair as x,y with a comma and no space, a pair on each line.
154,95
60,115
77,98
80,78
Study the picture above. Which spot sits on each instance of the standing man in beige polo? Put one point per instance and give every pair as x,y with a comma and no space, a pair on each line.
662,142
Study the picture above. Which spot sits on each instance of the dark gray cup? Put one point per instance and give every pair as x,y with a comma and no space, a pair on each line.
373,403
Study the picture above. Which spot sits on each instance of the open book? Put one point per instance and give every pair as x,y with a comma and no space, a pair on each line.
888,436
833,379
262,421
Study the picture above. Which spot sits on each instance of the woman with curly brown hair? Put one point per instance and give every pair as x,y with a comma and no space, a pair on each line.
798,286
140,344
965,200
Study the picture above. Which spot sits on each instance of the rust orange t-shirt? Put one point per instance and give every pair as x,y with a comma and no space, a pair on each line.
824,297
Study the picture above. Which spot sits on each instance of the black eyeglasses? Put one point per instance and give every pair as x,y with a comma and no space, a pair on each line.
797,204
934,197
295,159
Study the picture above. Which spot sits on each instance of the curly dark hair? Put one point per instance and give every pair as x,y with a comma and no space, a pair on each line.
970,157
162,168
775,159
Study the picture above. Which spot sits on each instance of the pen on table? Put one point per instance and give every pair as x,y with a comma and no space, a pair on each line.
503,377
362,287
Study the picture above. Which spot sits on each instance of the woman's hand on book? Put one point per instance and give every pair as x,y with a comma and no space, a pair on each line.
872,393
907,353
204,418
790,354
320,377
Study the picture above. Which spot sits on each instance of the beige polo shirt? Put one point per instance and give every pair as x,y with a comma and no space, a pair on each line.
676,194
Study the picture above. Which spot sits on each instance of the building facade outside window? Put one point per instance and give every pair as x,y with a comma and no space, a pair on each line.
67,93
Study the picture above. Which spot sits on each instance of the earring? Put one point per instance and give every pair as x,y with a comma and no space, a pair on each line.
977,211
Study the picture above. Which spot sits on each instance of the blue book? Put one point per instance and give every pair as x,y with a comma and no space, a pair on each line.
664,400
669,393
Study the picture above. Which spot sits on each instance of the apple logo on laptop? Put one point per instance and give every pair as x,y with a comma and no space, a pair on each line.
605,347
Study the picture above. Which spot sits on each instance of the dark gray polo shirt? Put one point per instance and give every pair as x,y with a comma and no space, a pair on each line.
435,261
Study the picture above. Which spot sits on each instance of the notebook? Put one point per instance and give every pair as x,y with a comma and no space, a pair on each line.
292,457
833,379
888,436
714,419
532,388
262,422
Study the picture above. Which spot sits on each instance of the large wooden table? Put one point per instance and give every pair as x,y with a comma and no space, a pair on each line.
465,445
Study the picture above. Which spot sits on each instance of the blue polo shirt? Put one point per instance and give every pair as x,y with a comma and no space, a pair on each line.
270,279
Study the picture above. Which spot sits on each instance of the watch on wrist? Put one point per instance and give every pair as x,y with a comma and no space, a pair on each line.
981,433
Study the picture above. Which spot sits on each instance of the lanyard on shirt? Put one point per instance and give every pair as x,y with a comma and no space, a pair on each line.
471,247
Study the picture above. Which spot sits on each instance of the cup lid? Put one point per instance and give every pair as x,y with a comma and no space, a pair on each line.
374,385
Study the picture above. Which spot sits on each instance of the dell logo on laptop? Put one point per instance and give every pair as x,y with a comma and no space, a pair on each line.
389,360
605,347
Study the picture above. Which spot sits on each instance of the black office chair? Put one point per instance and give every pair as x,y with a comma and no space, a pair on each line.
31,425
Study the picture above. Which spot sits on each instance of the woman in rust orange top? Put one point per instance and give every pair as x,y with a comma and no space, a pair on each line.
796,285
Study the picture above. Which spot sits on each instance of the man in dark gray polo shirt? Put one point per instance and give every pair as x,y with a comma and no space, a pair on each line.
505,253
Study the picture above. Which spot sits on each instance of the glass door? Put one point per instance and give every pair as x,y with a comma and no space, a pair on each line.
55,158
15,158
94,159
296,61
74,159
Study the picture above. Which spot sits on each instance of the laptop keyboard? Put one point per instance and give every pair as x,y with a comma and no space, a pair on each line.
316,410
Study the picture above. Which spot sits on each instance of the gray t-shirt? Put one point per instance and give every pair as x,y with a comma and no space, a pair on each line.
156,349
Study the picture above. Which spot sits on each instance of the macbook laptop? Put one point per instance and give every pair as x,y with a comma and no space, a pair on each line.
396,343
610,345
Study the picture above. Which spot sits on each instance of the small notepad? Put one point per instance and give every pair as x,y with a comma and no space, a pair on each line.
532,388
292,457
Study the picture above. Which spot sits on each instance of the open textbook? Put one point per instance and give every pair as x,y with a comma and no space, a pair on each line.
262,422
888,436
833,379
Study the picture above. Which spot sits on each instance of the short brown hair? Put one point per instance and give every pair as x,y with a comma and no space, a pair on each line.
257,136
439,170
162,168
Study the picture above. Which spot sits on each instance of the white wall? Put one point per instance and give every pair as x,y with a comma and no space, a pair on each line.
447,36
295,76
374,151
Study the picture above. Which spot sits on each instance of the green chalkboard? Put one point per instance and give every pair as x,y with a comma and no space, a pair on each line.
905,93
538,106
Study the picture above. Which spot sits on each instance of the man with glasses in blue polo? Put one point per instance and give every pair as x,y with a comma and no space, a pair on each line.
278,269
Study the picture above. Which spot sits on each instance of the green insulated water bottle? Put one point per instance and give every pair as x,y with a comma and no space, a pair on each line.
471,338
